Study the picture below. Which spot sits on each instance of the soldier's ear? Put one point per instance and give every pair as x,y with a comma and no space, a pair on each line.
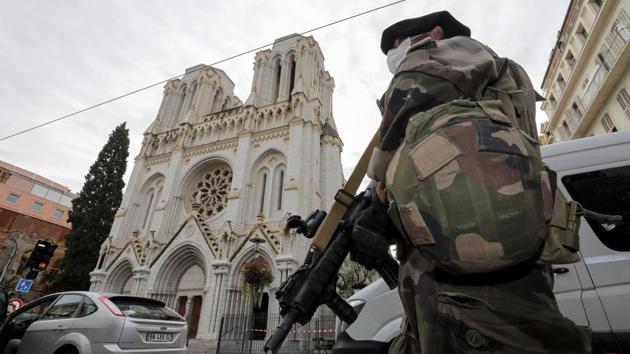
437,33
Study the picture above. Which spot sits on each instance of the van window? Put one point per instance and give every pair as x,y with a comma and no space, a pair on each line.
607,192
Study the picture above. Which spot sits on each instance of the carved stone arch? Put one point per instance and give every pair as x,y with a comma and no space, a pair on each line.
119,276
236,275
175,265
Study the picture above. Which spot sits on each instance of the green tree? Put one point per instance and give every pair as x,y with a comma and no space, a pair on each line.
352,277
93,212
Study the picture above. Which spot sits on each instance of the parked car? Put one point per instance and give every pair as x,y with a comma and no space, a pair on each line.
80,322
594,292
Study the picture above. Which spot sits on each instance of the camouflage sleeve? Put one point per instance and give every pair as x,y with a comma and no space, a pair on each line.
434,73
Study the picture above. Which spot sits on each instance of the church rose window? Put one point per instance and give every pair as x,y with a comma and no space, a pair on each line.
211,191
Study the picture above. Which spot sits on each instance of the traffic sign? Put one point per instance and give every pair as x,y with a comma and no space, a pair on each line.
14,304
23,285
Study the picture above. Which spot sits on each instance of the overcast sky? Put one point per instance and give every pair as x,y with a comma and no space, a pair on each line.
57,57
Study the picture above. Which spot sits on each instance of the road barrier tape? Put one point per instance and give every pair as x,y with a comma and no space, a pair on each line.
294,331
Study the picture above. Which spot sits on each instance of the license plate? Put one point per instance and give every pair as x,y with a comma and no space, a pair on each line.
159,337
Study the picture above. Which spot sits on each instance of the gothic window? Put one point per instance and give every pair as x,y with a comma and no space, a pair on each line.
146,205
277,70
278,183
154,206
260,192
217,101
181,103
226,104
211,191
292,73
192,96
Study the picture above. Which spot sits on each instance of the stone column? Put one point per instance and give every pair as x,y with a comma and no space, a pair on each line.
140,276
221,268
97,280
188,313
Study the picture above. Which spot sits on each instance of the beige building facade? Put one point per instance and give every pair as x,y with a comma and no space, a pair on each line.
587,83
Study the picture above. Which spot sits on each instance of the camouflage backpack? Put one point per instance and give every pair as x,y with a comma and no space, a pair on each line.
469,189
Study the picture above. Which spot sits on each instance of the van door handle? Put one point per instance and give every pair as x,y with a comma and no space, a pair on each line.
560,270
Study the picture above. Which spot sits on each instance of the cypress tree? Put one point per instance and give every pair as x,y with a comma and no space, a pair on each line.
93,212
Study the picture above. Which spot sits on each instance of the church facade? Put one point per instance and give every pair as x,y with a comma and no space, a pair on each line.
216,180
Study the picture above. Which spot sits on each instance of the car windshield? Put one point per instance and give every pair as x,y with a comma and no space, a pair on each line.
137,308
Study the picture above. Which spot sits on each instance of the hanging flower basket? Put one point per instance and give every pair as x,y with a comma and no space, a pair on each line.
256,272
256,276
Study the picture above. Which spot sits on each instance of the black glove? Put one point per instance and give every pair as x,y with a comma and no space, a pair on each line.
372,234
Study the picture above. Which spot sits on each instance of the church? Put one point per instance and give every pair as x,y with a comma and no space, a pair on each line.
215,181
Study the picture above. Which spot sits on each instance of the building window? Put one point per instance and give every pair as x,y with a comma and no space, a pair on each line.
582,34
571,59
217,100
277,71
622,26
576,110
58,213
211,191
12,198
566,131
561,83
604,191
261,206
597,4
608,124
180,105
37,206
624,101
552,102
192,96
39,190
292,77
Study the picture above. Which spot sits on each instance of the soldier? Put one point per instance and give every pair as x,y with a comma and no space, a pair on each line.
434,61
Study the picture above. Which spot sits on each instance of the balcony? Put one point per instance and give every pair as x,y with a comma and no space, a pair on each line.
613,60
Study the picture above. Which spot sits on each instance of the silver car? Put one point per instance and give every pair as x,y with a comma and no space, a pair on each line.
91,323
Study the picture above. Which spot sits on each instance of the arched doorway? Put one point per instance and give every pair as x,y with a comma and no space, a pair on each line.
180,284
121,279
189,297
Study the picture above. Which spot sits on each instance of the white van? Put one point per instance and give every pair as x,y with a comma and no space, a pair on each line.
594,292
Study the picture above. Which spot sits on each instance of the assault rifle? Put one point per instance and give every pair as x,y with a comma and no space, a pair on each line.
314,283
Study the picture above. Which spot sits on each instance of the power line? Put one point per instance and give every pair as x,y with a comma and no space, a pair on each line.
178,76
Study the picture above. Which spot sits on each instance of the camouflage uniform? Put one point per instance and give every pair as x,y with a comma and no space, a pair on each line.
511,311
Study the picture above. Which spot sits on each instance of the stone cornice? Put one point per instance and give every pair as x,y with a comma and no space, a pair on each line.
157,160
212,147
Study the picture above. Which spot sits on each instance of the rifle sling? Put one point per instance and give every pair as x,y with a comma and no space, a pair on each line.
338,209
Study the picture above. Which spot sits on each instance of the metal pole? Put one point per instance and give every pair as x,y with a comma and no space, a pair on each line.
220,334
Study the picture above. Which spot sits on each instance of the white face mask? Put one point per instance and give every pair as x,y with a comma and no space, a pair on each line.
396,55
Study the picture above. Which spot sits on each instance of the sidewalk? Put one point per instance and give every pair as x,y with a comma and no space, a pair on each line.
201,346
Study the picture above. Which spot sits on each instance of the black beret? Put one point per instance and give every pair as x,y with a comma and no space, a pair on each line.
414,26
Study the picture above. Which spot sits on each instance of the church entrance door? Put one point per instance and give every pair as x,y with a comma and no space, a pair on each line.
194,316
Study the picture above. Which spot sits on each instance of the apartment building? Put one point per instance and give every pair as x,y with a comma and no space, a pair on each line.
31,208
587,83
